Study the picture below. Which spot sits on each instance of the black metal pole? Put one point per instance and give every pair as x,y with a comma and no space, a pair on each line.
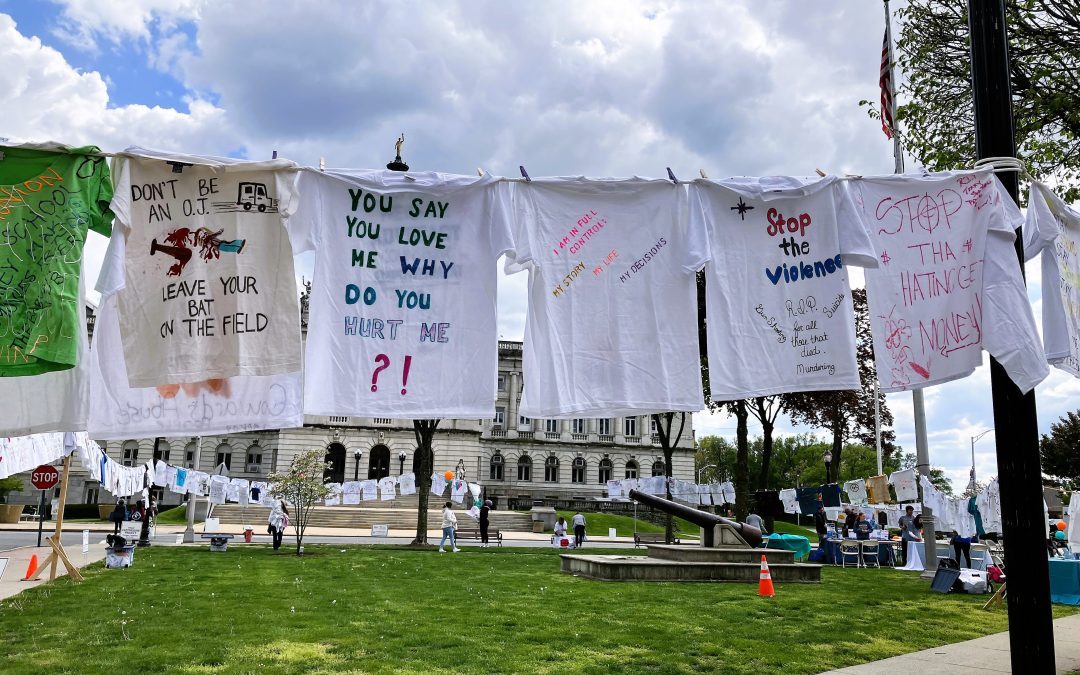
1031,624
41,518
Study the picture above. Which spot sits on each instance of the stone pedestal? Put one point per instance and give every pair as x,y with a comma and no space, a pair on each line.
545,515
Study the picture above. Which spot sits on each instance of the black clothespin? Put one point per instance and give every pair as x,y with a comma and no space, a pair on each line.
177,167
525,174
671,176
274,156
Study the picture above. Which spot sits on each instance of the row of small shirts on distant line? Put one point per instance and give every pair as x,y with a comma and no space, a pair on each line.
198,327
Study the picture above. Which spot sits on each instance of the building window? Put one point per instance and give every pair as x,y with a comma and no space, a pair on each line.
524,468
161,451
189,455
524,423
604,426
551,469
605,471
91,495
658,468
497,467
131,453
630,426
631,469
502,382
652,425
500,416
577,471
578,425
254,459
383,420
551,426
224,456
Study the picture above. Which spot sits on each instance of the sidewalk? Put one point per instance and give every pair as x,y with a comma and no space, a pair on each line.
988,654
19,558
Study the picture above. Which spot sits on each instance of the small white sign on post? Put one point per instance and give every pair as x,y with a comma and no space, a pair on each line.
179,539
611,533
380,530
85,541
130,529
211,526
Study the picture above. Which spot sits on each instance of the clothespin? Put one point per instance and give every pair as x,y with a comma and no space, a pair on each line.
177,167
322,164
671,176
479,171
525,174
819,172
702,172
274,156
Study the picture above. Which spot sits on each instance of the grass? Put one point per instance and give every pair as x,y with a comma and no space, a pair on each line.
401,610
177,515
597,524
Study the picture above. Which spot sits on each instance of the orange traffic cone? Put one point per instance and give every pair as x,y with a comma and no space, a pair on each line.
31,568
765,587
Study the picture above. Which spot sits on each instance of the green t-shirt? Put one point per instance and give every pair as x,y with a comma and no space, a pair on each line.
48,200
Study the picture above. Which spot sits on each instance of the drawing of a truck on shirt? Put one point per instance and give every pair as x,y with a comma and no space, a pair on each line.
254,194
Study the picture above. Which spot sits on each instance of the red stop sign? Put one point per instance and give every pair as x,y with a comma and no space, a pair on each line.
45,477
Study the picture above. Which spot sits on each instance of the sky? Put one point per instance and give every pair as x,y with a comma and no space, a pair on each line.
595,88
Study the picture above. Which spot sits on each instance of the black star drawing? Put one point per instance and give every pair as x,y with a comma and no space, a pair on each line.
742,208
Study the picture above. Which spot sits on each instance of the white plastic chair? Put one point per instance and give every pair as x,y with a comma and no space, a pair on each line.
850,548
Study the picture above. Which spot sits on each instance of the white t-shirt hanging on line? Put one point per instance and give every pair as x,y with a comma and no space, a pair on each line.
612,323
207,288
949,284
779,313
1053,229
404,295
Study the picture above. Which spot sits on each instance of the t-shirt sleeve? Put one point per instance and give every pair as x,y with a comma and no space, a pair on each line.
1040,226
302,223
102,197
855,244
288,191
499,214
691,212
520,257
111,277
1010,335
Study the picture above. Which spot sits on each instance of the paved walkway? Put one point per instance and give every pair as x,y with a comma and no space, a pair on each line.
988,654
18,559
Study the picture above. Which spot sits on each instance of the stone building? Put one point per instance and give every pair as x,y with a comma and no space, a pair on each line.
513,457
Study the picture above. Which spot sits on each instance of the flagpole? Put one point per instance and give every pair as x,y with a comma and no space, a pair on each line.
922,452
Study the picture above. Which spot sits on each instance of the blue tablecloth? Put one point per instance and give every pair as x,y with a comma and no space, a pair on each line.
886,553
1065,582
788,542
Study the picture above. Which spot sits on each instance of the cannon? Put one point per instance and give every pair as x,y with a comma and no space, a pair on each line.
711,525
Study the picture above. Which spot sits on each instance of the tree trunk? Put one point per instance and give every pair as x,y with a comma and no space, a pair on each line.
742,463
425,465
766,457
837,448
663,430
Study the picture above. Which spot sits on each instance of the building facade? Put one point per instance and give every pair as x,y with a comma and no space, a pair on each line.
515,458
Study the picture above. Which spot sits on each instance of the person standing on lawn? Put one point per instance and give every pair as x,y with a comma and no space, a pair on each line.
908,531
485,512
277,522
821,524
754,520
579,529
449,524
862,528
118,515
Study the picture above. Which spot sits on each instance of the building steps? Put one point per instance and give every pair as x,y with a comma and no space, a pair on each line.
690,563
362,518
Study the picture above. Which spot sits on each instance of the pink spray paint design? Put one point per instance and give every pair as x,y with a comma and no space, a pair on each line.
385,361
405,374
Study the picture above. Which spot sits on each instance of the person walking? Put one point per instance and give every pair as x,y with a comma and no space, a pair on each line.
579,529
277,521
449,524
485,512
754,520
118,515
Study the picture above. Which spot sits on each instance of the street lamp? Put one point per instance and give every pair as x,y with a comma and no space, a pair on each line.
401,460
973,440
358,454
707,466
828,465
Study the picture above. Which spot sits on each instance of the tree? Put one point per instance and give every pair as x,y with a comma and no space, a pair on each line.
667,443
424,431
742,458
936,115
718,455
849,415
1060,450
766,409
8,485
302,485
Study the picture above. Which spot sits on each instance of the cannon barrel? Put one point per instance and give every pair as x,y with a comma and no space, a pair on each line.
702,519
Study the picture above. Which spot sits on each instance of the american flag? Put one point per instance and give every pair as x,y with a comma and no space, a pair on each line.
885,80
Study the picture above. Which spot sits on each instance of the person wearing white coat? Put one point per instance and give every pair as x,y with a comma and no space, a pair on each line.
449,524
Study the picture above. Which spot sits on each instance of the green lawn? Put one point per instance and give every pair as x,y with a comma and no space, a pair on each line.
597,524
386,609
177,515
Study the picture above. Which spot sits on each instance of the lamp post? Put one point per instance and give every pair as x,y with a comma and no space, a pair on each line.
707,466
828,466
401,461
973,440
358,454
